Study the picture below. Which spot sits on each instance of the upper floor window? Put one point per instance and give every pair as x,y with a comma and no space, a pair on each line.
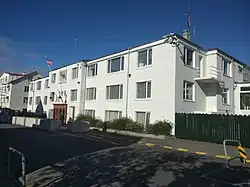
92,70
26,88
226,67
30,101
63,76
75,73
116,64
38,85
31,86
52,96
45,100
240,69
188,56
53,78
73,95
25,100
224,95
38,99
46,85
143,90
114,91
188,90
91,93
145,57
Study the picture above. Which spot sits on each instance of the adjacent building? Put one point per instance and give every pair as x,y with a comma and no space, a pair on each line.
148,82
14,89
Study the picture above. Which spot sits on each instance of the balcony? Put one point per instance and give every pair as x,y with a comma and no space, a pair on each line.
210,75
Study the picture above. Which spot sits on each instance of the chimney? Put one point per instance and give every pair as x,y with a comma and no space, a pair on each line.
186,34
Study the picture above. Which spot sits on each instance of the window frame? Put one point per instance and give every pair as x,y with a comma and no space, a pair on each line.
146,115
225,96
121,64
46,83
185,95
71,91
30,100
39,83
95,70
108,116
26,88
88,96
53,78
25,99
148,61
65,72
185,56
120,92
45,103
76,71
147,95
92,111
38,98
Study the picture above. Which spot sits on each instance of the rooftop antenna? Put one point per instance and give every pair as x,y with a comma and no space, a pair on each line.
187,32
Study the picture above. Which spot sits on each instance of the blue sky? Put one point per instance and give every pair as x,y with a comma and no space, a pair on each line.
31,30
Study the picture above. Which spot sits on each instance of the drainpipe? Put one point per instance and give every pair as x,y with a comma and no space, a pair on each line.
83,67
128,76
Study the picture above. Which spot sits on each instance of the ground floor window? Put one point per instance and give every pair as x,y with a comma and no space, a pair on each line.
245,101
142,117
110,115
89,112
224,95
188,91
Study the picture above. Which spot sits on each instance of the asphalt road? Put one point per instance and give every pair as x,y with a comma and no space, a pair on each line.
99,159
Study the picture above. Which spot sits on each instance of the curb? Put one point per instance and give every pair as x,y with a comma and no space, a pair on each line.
186,150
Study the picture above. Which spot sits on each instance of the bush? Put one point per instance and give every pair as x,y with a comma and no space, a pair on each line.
134,127
159,128
92,120
119,124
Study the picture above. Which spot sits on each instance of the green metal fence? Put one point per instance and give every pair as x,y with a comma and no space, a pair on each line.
212,127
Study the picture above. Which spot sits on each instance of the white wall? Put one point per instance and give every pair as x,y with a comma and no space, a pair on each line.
161,74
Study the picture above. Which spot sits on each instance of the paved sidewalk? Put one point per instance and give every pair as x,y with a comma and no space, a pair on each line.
196,147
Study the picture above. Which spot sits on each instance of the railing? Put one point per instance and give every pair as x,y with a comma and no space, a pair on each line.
212,72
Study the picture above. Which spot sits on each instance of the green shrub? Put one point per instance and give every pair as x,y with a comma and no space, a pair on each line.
134,127
119,124
92,120
163,127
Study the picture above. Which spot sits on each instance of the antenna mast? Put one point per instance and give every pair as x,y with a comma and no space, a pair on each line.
189,17
75,40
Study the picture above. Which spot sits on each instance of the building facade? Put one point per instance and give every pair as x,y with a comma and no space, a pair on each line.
14,89
149,82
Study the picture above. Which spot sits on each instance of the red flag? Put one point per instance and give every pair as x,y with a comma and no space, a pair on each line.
48,61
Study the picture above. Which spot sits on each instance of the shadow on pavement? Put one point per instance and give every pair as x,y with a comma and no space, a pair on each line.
135,167
42,148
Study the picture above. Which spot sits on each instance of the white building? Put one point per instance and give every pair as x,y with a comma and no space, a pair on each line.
149,82
14,89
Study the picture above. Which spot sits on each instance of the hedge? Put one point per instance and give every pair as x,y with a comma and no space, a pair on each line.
163,127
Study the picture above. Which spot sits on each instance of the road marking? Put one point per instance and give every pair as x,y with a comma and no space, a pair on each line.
167,147
181,149
222,156
200,153
140,142
150,144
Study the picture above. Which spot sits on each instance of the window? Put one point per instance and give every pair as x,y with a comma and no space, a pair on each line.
46,83
245,101
25,100
63,76
143,117
75,73
38,85
30,101
91,93
110,115
45,100
188,90
114,92
73,95
31,87
224,95
53,78
38,99
226,67
245,89
26,88
92,70
143,90
188,56
52,96
240,69
90,113
145,58
116,64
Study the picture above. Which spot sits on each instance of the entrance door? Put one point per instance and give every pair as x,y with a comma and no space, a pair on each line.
72,112
58,108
